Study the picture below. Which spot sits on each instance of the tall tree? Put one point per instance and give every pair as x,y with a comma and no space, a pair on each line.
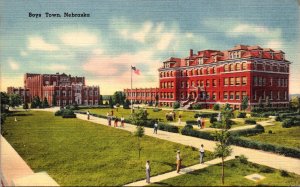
244,103
100,100
111,104
4,101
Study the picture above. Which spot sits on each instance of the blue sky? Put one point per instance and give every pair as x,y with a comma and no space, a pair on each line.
141,33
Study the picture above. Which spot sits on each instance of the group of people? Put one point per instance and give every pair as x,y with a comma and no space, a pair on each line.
115,119
178,162
200,122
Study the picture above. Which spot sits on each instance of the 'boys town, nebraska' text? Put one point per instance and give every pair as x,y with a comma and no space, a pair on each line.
56,15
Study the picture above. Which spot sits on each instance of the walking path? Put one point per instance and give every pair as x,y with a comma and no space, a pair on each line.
182,171
256,156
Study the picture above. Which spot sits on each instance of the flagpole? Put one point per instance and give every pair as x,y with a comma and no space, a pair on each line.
131,89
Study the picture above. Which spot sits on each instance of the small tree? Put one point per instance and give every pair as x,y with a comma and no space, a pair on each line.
176,105
126,104
25,105
139,119
244,103
216,107
100,100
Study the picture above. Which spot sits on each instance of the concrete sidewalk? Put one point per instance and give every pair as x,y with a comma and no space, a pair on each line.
175,174
256,156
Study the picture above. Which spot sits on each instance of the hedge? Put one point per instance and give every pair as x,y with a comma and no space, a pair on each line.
156,109
241,115
248,132
205,115
191,122
188,130
286,151
250,121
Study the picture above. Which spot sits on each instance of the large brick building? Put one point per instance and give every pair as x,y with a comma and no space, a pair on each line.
63,89
213,76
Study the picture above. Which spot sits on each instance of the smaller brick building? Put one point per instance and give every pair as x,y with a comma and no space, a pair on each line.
142,95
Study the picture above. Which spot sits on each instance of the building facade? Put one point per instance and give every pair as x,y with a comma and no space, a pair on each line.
19,91
142,95
211,76
61,89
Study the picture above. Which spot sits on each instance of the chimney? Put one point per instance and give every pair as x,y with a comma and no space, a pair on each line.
191,52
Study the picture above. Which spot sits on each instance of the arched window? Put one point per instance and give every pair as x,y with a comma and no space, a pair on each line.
226,68
238,66
244,66
214,70
167,74
207,71
231,67
181,73
201,71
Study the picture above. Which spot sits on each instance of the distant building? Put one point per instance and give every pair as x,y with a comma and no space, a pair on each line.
142,95
19,91
211,76
63,89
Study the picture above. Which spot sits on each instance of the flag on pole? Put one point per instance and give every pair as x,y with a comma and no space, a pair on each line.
135,70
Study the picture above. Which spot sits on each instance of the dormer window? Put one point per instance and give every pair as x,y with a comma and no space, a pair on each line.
200,61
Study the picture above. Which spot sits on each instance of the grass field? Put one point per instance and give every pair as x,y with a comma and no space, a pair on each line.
234,176
77,152
281,136
186,115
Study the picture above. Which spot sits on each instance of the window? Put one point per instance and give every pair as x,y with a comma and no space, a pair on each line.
201,71
285,95
231,95
214,70
238,66
231,81
278,95
225,81
200,61
259,81
255,81
271,81
207,83
244,66
226,68
264,81
238,81
271,95
231,66
214,82
237,95
254,96
201,83
244,80
225,95
279,82
187,84
244,94
207,71
214,96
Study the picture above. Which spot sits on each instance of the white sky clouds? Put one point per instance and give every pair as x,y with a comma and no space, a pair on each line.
14,65
38,43
56,67
79,39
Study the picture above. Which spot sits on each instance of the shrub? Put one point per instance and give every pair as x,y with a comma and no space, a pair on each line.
212,119
248,132
191,122
241,115
243,159
216,107
205,115
270,131
156,109
217,125
287,123
58,113
200,134
168,128
250,121
266,170
176,105
188,126
284,173
277,118
196,106
67,113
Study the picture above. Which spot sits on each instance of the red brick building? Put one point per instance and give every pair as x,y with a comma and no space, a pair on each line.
19,91
65,89
142,95
213,76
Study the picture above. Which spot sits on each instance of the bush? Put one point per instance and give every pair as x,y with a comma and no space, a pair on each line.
241,115
176,105
287,123
250,121
200,134
205,115
156,109
270,131
191,122
248,132
266,170
67,113
217,125
243,159
284,173
212,119
168,128
59,112
196,106
216,107
25,106
277,118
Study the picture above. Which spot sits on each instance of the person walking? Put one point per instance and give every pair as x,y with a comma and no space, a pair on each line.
116,122
122,121
88,115
202,123
179,119
199,121
148,169
178,161
109,120
155,128
201,151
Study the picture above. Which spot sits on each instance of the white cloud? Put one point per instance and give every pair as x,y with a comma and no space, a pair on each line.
79,39
258,31
56,67
38,43
14,65
275,44
165,40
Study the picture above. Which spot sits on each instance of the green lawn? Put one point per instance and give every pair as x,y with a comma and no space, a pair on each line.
77,152
281,136
234,176
186,115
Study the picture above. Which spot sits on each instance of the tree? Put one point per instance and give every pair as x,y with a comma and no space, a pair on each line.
176,105
139,118
126,104
25,105
54,100
111,105
295,103
223,149
100,100
14,100
156,100
4,101
244,103
36,102
45,103
216,107
118,97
